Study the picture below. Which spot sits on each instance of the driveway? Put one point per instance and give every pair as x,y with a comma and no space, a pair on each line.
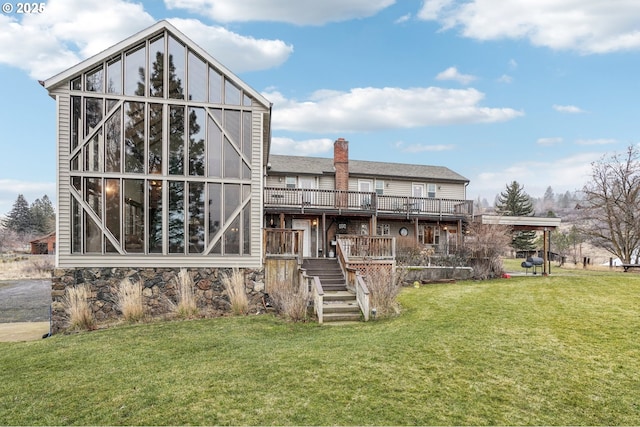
24,309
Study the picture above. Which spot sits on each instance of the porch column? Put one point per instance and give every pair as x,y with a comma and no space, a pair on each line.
325,247
282,223
373,226
416,229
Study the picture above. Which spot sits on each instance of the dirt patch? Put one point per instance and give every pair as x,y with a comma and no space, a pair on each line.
23,331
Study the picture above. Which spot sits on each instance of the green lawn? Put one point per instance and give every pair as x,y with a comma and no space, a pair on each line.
557,350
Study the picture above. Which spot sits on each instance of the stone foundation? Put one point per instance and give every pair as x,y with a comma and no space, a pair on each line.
159,291
434,274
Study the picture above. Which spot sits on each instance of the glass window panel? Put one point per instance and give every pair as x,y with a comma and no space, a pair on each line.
75,162
231,200
246,230
246,134
176,217
214,149
246,100
155,216
93,80
177,57
76,121
232,125
93,153
111,103
196,217
113,129
134,137
215,209
231,93
246,171
156,67
133,215
217,248
76,84
197,78
155,138
196,141
76,226
76,181
232,238
135,72
93,195
215,86
217,113
176,140
93,236
93,114
112,211
231,160
114,77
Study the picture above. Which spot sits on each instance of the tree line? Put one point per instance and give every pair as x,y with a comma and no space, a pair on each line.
37,218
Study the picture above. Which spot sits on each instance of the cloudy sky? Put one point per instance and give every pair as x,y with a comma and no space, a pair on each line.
525,90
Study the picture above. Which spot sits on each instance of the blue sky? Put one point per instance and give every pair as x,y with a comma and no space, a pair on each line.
525,90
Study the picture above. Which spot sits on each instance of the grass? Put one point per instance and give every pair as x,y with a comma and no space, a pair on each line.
556,350
19,267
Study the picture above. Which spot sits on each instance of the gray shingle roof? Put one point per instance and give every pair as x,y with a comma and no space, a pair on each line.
295,165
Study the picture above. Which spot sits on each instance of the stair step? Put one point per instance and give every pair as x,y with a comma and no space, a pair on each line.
340,307
339,296
341,317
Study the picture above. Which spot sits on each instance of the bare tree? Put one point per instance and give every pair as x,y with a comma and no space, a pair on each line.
611,210
485,244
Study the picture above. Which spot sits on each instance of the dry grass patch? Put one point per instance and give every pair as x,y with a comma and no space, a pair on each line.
185,287
234,284
76,303
289,300
384,292
129,296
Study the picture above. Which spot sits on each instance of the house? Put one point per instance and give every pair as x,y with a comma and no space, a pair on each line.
326,197
45,245
160,157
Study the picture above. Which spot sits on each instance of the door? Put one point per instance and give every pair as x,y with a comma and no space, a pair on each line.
418,191
308,186
305,225
365,199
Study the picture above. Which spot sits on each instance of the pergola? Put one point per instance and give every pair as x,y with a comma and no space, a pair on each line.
527,223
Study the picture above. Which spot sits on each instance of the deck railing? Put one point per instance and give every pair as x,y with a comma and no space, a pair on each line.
371,202
283,242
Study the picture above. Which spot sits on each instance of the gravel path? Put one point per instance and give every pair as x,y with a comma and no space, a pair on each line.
25,300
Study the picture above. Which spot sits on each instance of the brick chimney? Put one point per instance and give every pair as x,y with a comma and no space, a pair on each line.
341,163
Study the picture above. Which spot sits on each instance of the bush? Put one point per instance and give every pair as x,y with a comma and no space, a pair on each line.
289,300
383,292
77,307
129,296
234,284
187,306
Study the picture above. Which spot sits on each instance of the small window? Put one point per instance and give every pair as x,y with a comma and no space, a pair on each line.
431,191
383,229
290,182
76,84
379,188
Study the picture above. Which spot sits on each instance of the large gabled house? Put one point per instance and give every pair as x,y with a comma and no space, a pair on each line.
419,205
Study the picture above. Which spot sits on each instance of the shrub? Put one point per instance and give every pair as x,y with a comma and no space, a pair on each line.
289,300
383,292
129,296
234,284
187,306
77,307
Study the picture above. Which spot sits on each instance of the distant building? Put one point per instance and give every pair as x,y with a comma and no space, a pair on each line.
45,245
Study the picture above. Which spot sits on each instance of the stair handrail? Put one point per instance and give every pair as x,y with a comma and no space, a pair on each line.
318,296
363,296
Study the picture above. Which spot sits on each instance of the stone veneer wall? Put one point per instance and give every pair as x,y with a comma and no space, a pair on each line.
159,290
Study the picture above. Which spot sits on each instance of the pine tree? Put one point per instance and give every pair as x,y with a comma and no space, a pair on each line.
19,219
515,202
43,216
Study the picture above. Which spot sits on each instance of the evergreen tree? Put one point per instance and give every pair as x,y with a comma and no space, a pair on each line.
43,216
19,219
515,202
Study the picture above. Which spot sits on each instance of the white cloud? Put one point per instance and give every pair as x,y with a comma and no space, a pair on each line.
69,31
238,53
403,19
371,109
505,79
597,141
421,148
300,148
549,141
571,109
452,73
586,26
513,64
563,174
290,11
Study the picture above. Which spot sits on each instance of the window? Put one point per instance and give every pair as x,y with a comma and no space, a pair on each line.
431,191
290,182
379,188
383,230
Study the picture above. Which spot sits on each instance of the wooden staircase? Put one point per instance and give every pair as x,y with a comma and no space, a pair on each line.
339,304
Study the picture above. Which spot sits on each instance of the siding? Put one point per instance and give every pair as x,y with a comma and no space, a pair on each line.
63,181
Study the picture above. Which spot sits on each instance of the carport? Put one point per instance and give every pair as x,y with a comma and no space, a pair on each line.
528,223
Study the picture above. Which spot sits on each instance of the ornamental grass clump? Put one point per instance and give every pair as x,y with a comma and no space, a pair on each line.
234,284
129,296
187,306
384,292
290,300
76,303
